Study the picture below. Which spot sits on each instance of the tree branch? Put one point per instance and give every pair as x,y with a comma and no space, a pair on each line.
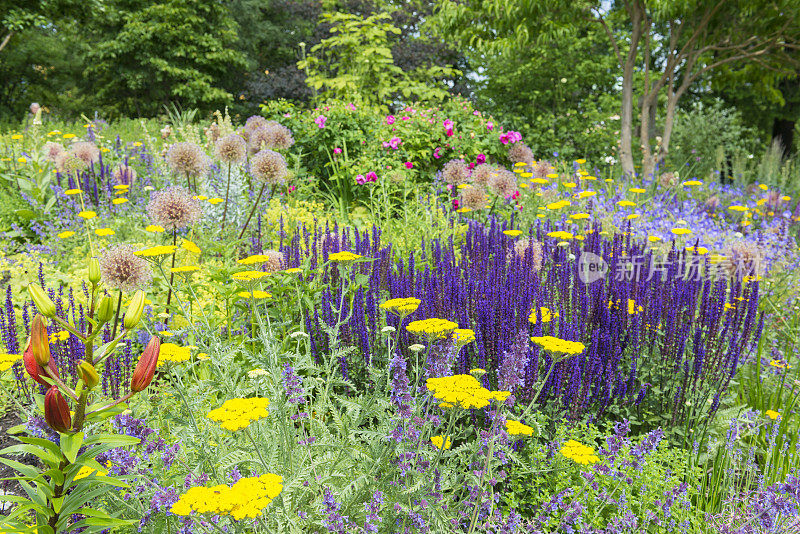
6,39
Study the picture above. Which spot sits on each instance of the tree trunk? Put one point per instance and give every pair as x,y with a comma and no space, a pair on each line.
626,113
6,39
669,121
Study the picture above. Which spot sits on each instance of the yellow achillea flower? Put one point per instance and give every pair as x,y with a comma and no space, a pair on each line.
636,190
170,352
257,294
159,250
772,414
586,194
72,192
738,208
560,234
432,328
464,210
681,231
512,233
633,308
122,187
580,216
7,360
64,235
191,247
345,255
118,201
626,204
104,232
87,215
401,306
552,175
61,335
438,441
200,197
515,428
540,181
248,276
780,364
579,453
293,270
256,258
463,336
85,471
215,200
546,314
558,205
554,344
693,182
248,497
570,185
235,414
154,228
464,391
653,238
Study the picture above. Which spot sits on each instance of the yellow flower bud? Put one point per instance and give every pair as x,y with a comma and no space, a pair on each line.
135,309
105,310
94,271
42,301
88,374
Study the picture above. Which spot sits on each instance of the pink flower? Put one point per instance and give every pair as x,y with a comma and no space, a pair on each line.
455,203
287,115
480,158
389,119
490,126
371,176
409,165
351,106
292,188
448,124
515,196
360,180
510,137
337,150
476,113
321,121
436,153
404,118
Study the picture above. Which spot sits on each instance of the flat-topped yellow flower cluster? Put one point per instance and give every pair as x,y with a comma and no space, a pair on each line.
554,344
432,328
246,498
463,390
236,414
402,306
579,453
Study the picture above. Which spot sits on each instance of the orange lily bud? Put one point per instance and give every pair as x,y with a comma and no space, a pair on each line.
43,303
40,341
56,410
35,370
146,367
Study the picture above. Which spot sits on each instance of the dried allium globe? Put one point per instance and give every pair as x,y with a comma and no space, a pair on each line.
279,137
85,151
520,153
258,139
504,183
67,162
52,150
253,123
231,149
276,261
525,248
173,208
483,173
473,197
121,269
542,169
187,159
455,172
124,174
269,167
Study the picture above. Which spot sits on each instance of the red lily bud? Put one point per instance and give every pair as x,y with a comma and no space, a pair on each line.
40,341
146,367
35,370
56,411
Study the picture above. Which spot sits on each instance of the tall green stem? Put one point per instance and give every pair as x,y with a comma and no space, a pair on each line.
227,191
255,205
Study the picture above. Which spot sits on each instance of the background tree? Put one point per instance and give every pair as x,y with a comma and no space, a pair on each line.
149,54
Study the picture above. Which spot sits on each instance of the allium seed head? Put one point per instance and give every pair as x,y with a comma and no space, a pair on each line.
253,123
667,179
121,269
525,247
745,259
473,197
124,174
85,151
483,173
173,208
279,137
231,148
455,172
52,150
520,153
542,169
276,261
269,167
187,159
503,182
68,162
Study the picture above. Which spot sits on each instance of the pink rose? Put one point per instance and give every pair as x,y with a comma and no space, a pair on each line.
409,165
371,176
337,150
321,121
490,126
480,158
390,119
360,180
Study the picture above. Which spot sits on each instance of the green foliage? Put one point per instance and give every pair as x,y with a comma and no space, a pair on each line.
705,130
148,55
356,63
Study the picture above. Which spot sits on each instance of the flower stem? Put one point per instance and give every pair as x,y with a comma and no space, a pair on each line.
255,205
227,191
